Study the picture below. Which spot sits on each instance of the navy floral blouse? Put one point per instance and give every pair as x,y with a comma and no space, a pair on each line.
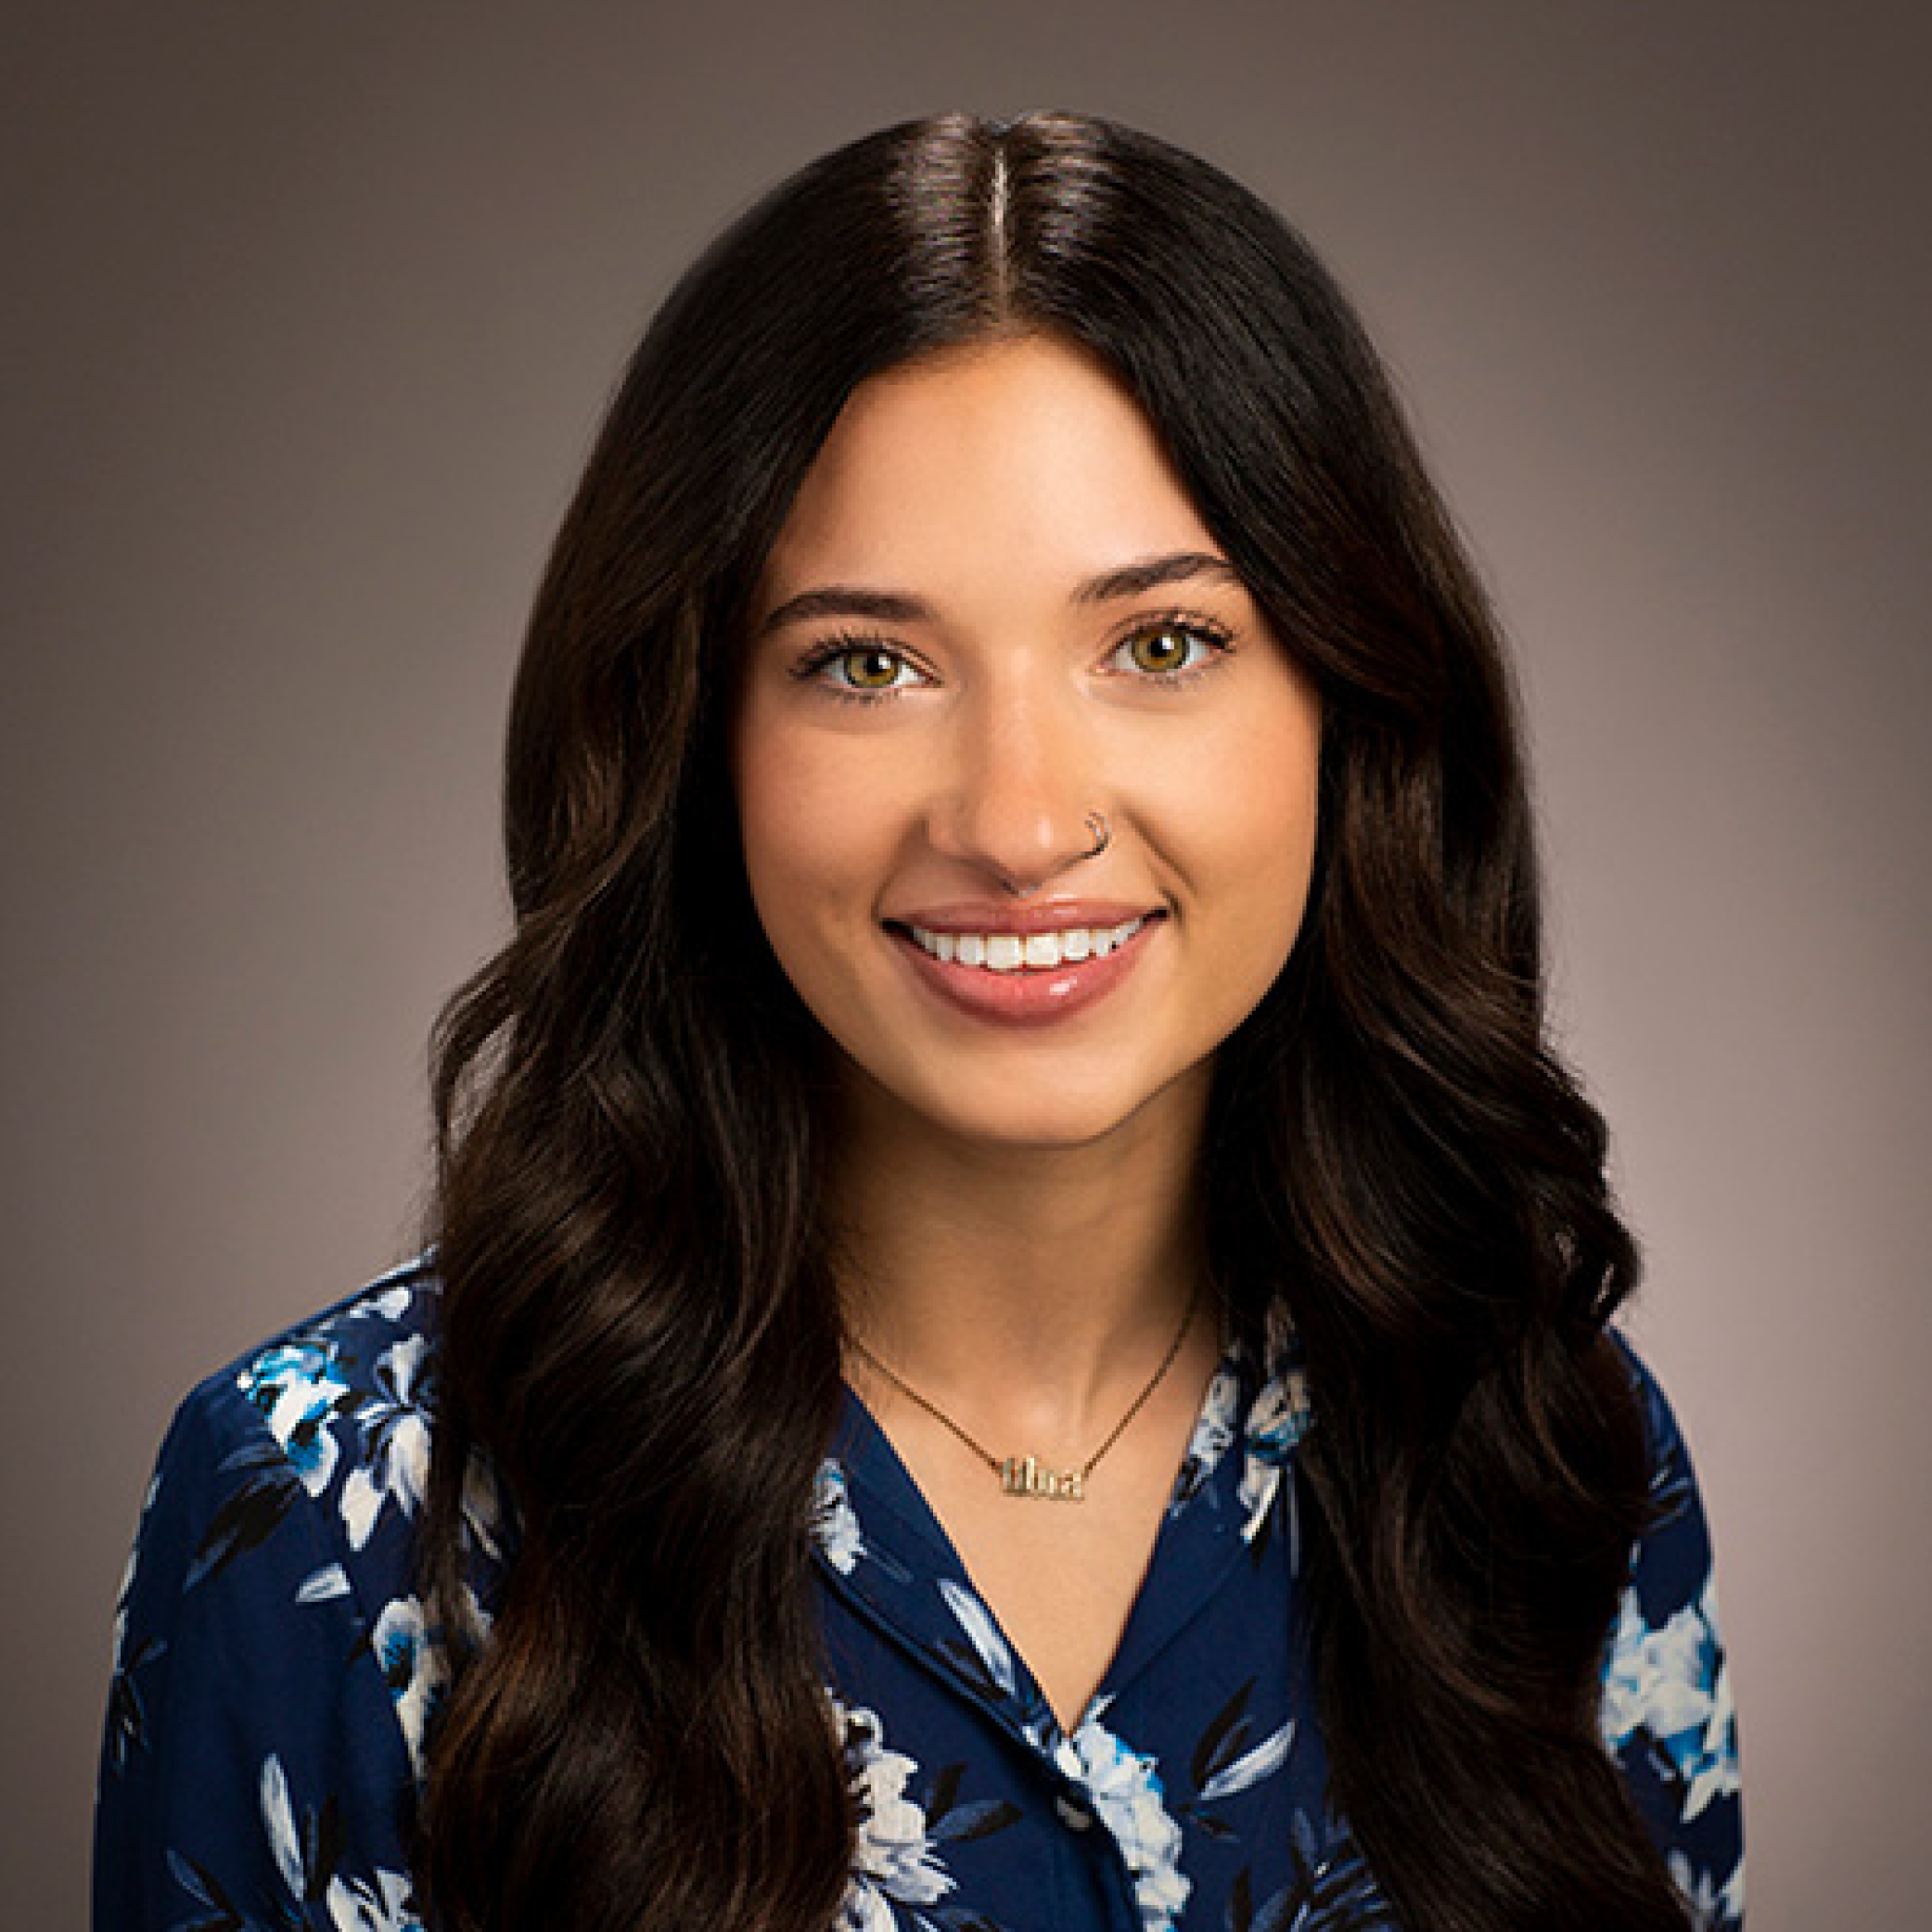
274,1677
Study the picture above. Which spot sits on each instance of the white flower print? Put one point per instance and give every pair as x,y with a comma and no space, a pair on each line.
278,1820
482,1506
388,1304
323,1585
381,1903
1712,1905
1672,1685
1251,1767
1214,1431
833,1523
1215,1428
396,1435
894,1861
987,1642
1126,1791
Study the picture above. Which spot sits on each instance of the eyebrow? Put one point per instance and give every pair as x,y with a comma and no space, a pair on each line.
894,608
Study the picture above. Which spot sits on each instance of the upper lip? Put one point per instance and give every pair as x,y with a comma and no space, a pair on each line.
1002,915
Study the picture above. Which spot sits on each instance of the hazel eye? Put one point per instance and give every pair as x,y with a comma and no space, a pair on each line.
857,668
1170,649
867,668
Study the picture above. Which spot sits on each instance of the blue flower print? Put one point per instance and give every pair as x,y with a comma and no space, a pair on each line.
1126,1789
1671,1687
300,1391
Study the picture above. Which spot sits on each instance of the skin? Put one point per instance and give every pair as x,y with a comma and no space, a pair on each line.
1018,1205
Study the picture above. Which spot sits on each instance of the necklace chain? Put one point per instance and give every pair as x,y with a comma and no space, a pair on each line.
1027,1476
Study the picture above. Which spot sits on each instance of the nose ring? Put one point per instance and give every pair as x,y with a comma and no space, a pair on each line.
1103,838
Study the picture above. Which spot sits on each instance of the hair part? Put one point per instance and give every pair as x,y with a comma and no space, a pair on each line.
640,1326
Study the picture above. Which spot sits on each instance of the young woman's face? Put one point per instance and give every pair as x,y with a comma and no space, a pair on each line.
993,613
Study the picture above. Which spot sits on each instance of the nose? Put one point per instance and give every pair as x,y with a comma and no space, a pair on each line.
1020,794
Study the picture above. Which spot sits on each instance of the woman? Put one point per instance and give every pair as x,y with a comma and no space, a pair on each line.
1017,1334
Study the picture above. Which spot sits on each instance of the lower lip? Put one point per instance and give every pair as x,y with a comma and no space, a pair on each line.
1029,996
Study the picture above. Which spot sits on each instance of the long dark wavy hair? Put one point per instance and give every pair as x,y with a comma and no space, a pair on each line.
640,1326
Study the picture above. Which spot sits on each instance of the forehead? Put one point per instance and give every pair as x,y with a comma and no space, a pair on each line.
1027,459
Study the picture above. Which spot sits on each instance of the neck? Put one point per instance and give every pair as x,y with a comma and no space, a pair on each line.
1034,1288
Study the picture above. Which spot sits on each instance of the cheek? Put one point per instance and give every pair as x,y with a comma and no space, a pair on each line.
1247,790
1249,818
1264,862
809,819
765,772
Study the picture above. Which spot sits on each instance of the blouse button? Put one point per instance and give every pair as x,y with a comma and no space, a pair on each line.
1076,1816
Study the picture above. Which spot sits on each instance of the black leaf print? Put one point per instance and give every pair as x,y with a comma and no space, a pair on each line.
1241,1909
322,1848
204,1889
248,1517
946,1794
1225,1737
971,1666
1187,1485
127,1709
384,1377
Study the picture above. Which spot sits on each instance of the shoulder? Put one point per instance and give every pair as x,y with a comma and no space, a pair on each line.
334,1411
338,1347
274,1677
347,1392
292,1481
315,1444
396,1312
312,1436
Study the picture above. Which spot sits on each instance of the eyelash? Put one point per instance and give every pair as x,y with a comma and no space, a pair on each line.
1219,639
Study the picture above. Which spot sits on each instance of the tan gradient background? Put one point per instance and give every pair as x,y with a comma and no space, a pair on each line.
310,310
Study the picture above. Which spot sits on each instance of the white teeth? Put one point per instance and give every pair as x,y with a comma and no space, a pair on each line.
1008,952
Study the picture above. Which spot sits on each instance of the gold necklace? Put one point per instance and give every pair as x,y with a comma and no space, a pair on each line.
1027,1474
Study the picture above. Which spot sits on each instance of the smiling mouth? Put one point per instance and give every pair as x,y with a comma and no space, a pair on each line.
1020,952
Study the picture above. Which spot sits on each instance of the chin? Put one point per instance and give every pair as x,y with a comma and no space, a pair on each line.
1046,1114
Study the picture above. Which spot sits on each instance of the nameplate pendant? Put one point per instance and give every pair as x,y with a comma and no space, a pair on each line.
1026,1475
